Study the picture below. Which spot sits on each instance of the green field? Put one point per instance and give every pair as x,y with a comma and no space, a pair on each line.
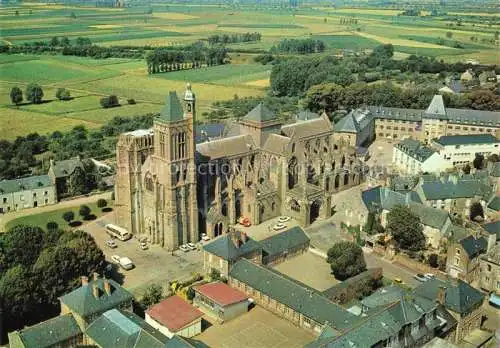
180,24
41,219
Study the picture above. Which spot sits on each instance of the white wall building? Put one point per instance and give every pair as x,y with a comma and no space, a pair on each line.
462,149
411,157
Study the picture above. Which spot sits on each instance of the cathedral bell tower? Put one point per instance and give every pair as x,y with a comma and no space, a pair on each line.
175,171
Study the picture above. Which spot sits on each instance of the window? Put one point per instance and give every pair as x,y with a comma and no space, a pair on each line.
5,200
457,261
46,193
34,194
489,268
162,144
458,251
21,197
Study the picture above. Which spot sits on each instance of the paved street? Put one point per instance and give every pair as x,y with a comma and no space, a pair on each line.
155,265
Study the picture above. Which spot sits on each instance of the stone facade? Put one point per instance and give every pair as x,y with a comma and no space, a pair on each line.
30,192
489,276
172,191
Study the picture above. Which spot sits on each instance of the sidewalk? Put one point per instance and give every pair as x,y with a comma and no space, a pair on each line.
5,218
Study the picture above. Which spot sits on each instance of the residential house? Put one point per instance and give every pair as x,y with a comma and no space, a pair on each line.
284,245
392,317
463,258
489,276
436,223
458,150
454,193
220,301
221,253
174,316
29,192
61,172
467,76
62,331
461,301
93,298
411,157
288,298
452,87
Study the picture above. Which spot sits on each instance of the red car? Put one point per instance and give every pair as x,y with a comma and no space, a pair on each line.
244,221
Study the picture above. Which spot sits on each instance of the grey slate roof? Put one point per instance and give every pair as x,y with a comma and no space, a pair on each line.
347,124
121,329
83,302
436,108
224,247
464,187
415,149
474,117
383,296
448,140
260,114
474,247
494,203
206,132
226,147
305,115
286,240
23,184
293,294
396,113
429,216
66,167
384,198
172,111
460,296
276,143
51,332
307,129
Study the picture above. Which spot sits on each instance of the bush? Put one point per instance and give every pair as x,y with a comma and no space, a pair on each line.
51,225
69,216
110,101
102,203
190,294
63,94
84,211
131,101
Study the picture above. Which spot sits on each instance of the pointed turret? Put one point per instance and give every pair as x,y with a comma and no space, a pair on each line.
436,107
172,111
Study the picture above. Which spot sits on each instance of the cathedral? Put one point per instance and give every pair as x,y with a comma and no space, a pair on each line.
174,183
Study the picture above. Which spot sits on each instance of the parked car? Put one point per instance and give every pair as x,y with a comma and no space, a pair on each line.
204,237
111,244
191,246
244,221
430,276
126,263
116,259
284,218
279,226
143,245
184,248
420,277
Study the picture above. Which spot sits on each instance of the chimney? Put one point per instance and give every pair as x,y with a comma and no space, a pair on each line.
107,287
95,290
441,296
95,276
85,281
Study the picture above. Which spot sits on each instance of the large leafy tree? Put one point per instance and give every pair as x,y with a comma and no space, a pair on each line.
152,295
77,182
405,228
16,95
346,260
22,245
34,93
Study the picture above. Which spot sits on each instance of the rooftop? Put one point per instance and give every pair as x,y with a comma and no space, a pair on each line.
460,297
293,294
172,111
221,293
66,167
450,140
23,184
415,149
260,114
83,302
49,333
224,246
174,313
474,247
286,240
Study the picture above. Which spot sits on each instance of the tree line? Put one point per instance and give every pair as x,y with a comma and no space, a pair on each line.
191,57
37,266
233,38
25,155
299,46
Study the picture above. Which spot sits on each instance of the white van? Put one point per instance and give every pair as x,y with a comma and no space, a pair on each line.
126,263
118,232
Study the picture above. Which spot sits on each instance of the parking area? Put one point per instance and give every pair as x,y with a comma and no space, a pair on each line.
381,152
309,269
154,265
255,329
265,229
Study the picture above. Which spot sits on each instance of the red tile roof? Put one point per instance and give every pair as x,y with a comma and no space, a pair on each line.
221,293
174,313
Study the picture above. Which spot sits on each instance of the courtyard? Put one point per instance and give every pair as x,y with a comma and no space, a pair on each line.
154,265
300,268
256,329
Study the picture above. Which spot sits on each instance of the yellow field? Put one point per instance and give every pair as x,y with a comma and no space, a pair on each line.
402,42
173,15
258,83
383,12
105,26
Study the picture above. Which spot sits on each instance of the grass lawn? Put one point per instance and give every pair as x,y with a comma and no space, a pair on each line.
352,42
41,219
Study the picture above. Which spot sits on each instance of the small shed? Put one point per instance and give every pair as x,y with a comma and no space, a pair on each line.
220,301
174,316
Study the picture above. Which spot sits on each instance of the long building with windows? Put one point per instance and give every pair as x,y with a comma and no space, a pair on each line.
362,125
